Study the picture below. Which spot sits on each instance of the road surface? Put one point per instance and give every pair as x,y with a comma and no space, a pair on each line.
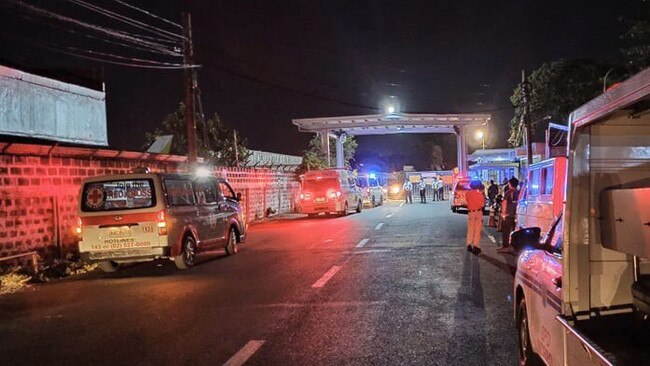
393,285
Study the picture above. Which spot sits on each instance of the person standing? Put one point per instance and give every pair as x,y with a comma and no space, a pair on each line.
434,188
408,191
493,191
508,214
441,189
475,205
423,191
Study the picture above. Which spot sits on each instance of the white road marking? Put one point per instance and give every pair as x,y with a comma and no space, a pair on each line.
389,215
362,243
326,277
379,226
244,354
401,204
371,251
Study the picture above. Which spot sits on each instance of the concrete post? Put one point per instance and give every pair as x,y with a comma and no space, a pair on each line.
340,159
461,143
325,145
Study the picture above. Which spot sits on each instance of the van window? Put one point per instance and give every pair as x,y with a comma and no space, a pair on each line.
373,182
179,192
206,191
118,195
226,190
548,184
320,185
533,184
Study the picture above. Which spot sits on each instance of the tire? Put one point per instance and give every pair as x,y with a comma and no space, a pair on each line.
231,244
108,266
188,253
312,215
454,209
359,206
526,355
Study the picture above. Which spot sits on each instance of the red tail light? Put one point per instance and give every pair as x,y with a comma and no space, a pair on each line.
334,194
78,226
162,224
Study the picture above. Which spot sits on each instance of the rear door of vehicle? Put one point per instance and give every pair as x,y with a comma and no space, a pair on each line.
228,206
209,220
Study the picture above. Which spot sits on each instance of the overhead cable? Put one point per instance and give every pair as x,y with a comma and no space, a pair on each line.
135,23
148,13
110,32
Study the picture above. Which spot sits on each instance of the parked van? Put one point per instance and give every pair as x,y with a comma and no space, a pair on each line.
373,193
330,191
541,197
139,217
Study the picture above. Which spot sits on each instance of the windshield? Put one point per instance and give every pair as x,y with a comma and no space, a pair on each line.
118,195
463,185
320,185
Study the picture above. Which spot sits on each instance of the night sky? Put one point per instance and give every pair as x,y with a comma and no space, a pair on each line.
264,62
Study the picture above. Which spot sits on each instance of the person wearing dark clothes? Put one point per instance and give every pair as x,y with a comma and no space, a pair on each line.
508,214
423,192
493,191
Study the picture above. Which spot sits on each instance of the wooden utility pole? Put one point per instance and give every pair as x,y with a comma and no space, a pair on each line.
525,116
188,54
234,135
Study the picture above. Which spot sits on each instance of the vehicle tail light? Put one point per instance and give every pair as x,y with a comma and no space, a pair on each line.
78,230
162,224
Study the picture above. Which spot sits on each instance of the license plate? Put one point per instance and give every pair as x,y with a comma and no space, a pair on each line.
119,232
320,199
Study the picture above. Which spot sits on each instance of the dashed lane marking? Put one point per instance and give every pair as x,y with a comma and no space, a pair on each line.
326,277
389,215
379,226
362,243
244,354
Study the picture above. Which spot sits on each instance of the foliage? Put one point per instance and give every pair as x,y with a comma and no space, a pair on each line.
636,41
314,159
215,141
557,88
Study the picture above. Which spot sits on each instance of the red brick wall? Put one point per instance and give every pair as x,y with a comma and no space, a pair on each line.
39,190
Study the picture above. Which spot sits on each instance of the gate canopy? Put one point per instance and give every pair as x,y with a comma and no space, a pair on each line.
382,124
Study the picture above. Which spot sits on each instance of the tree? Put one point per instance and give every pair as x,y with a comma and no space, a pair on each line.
636,41
557,88
314,159
215,141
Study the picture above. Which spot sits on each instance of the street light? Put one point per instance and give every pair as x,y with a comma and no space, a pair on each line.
480,135
390,109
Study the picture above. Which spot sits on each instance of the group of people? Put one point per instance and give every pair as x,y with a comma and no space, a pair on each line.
475,198
437,186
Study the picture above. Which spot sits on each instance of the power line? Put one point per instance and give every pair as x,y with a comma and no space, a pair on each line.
117,34
149,13
153,62
135,23
173,66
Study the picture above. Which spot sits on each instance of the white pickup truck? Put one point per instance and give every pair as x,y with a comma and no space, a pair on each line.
582,292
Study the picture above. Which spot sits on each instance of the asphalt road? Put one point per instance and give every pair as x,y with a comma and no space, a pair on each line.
300,292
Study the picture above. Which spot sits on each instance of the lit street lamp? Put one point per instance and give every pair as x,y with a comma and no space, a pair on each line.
480,135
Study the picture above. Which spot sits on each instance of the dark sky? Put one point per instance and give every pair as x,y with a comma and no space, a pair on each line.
261,58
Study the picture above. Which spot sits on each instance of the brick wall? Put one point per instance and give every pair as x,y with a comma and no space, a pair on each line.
39,189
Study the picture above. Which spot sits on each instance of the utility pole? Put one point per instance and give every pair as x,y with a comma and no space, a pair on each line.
234,135
188,54
525,116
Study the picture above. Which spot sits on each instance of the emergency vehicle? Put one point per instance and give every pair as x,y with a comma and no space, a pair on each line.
582,290
373,193
144,216
330,191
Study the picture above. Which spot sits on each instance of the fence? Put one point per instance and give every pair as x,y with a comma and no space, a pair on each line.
40,184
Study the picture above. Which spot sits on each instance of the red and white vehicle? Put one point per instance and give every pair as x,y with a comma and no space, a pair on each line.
140,217
582,291
330,191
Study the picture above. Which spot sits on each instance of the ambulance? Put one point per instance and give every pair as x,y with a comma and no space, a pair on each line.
581,293
144,216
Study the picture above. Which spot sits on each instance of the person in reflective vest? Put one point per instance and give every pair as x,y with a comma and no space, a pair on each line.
408,191
475,204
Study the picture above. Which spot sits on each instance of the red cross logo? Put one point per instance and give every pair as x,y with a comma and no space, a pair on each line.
95,197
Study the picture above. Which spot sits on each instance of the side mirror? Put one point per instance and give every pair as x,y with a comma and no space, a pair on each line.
238,196
526,238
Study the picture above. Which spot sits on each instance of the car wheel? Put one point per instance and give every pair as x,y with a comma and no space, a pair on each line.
454,209
345,210
526,355
188,253
108,266
231,247
359,206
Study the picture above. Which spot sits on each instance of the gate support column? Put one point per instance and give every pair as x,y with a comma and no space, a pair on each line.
461,143
340,159
325,146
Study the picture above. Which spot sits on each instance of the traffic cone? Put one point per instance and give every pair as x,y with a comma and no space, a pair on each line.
491,221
